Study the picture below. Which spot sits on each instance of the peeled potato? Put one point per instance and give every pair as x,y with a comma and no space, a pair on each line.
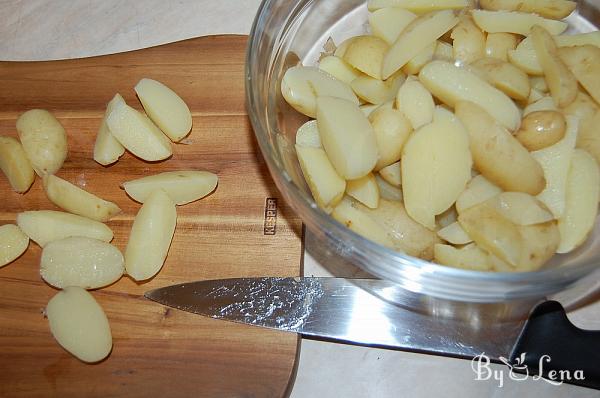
588,137
584,63
387,23
451,84
79,261
417,63
326,186
521,208
582,195
183,186
468,41
418,6
555,9
44,140
301,85
376,91
339,69
107,149
150,236
470,257
13,243
365,190
478,191
436,166
45,226
421,33
15,165
415,102
308,135
454,234
79,324
497,45
346,132
391,130
392,174
165,108
555,161
541,105
77,201
581,39
561,82
388,191
366,53
137,133
525,58
346,213
506,77
514,22
497,154
541,129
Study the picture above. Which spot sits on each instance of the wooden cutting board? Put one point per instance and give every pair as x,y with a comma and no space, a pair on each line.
157,351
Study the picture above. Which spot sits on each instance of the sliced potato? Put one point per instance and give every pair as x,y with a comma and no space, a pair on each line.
165,108
416,103
443,51
346,213
15,165
479,190
366,54
584,63
308,135
515,22
392,174
365,190
436,166
451,84
539,83
540,242
468,41
583,108
498,45
497,154
554,9
561,82
454,234
541,129
421,33
388,191
326,186
535,96
391,130
367,109
301,85
183,186
581,39
79,261
418,6
589,138
77,201
44,140
470,257
376,91
150,236
45,226
341,49
525,58
555,161
387,23
407,235
417,63
506,77
79,324
107,150
446,218
346,132
13,243
581,202
521,208
339,69
544,104
136,132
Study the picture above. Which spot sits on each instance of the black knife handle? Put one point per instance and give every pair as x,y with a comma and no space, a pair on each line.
550,339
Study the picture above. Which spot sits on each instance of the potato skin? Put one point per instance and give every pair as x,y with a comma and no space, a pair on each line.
541,129
44,140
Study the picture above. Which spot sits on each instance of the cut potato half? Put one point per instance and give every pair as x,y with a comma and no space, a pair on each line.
515,22
584,63
346,213
468,41
554,9
308,135
415,102
506,77
391,130
521,208
497,45
13,243
107,149
365,190
478,190
183,186
392,174
470,257
366,53
388,191
15,165
454,234
387,23
339,69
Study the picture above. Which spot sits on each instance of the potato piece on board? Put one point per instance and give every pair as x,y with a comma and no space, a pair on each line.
13,243
45,226
79,324
581,202
15,165
107,149
44,140
150,236
77,201
497,154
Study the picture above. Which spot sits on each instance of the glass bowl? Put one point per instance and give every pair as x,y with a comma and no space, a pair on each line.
287,32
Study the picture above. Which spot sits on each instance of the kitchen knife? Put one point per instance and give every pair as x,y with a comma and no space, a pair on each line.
339,309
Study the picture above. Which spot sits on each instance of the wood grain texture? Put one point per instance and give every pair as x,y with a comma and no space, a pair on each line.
157,351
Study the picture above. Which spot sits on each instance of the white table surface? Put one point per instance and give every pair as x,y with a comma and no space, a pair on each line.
44,29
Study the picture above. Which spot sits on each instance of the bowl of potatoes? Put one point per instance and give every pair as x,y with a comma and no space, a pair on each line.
449,147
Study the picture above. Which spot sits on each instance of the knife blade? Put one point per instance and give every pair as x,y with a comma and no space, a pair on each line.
344,310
